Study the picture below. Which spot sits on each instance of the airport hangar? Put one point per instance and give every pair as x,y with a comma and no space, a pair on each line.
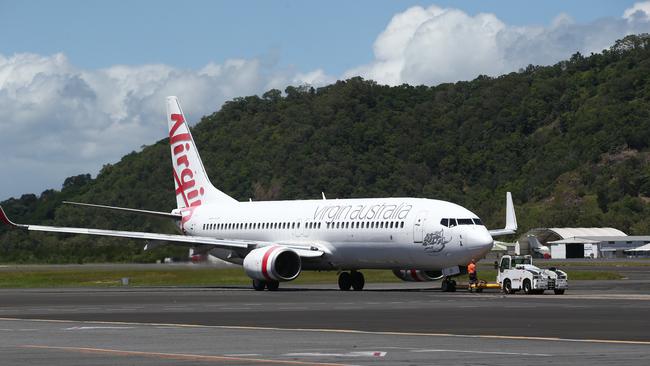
590,242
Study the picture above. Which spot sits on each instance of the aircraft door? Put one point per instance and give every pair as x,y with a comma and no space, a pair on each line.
418,227
300,228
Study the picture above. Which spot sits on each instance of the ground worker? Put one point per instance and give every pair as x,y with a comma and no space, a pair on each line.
471,270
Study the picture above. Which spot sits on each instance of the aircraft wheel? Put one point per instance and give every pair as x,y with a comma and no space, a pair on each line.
345,281
273,285
259,285
357,280
452,286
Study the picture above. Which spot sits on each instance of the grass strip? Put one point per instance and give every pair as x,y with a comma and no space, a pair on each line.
188,276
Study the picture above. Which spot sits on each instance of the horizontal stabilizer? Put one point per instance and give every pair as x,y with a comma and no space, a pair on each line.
131,210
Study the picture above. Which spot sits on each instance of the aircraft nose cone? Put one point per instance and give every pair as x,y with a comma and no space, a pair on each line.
479,242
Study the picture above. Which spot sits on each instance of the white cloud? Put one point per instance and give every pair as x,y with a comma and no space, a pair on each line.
638,11
434,45
59,120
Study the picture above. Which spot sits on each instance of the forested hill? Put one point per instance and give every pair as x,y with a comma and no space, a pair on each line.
571,141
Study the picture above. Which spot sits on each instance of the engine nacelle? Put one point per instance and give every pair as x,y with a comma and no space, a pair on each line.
273,263
417,275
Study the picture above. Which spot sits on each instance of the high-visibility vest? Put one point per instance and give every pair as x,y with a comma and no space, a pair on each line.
471,268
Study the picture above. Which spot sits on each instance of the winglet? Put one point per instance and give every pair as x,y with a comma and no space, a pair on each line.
511,219
5,219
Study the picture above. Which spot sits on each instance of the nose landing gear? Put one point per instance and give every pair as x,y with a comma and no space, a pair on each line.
448,285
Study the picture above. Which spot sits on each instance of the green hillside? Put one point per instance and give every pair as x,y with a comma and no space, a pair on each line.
571,141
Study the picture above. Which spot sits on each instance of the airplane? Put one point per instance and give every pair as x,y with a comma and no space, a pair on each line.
418,239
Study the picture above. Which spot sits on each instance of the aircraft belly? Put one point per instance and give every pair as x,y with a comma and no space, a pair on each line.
363,255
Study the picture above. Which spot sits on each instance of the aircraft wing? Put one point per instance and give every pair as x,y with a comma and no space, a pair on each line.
302,251
130,210
511,219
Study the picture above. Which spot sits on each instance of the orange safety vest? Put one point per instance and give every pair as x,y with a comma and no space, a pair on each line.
471,268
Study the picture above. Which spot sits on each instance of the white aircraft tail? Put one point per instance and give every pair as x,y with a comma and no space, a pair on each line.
193,186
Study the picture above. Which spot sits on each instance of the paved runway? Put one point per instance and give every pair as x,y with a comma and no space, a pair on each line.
596,322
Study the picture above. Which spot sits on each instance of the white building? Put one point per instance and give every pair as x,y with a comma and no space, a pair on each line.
591,242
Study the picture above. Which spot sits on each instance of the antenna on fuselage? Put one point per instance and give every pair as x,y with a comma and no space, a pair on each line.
323,193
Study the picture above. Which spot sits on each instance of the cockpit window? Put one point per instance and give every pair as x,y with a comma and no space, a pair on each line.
449,222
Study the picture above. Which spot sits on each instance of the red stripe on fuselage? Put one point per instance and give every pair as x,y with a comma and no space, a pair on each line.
265,261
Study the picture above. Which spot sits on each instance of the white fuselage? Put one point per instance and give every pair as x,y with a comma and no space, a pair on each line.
381,233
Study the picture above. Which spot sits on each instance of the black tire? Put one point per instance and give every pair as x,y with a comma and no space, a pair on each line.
452,286
507,287
358,281
259,285
444,286
345,281
528,288
559,292
273,285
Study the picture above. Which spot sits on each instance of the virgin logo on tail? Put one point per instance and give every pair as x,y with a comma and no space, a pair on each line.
183,175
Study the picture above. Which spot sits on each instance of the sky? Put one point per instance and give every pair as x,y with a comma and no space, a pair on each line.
82,83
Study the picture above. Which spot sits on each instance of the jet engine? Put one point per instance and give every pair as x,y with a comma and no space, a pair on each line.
416,275
272,263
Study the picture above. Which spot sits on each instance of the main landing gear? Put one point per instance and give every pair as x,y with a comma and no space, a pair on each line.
352,279
260,285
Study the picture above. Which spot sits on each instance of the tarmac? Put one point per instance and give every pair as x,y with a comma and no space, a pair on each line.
594,323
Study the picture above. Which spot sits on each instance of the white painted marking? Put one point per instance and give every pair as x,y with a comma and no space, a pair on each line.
483,352
242,354
348,354
96,327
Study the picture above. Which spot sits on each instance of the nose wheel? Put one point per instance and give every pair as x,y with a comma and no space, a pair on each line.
351,280
448,285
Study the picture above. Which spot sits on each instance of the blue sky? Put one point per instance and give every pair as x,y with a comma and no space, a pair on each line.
333,35
83,83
